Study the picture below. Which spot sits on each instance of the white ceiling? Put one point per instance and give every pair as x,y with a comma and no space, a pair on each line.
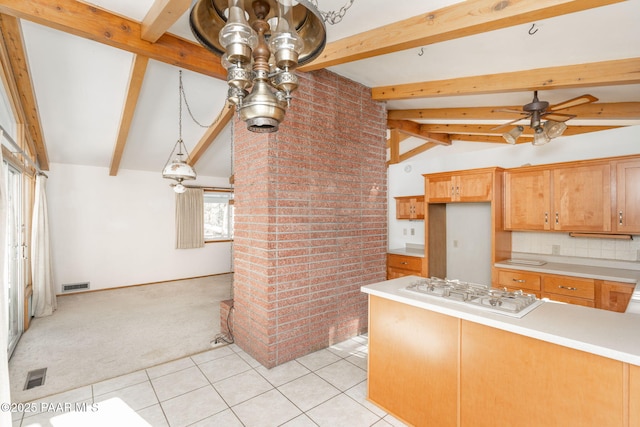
80,85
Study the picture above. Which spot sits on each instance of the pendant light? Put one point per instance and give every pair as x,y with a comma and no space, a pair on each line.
177,166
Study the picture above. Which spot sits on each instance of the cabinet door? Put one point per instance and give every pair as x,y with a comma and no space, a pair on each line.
527,200
582,198
474,187
440,189
403,208
627,212
614,296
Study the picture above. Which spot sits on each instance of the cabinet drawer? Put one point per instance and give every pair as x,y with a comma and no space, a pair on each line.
569,286
570,300
405,262
519,280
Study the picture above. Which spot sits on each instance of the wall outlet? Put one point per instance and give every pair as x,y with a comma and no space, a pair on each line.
404,231
413,231
555,249
455,243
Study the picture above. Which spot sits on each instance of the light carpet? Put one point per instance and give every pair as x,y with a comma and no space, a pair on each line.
100,335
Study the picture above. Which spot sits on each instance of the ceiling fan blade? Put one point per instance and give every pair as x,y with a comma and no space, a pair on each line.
506,110
584,99
508,123
558,117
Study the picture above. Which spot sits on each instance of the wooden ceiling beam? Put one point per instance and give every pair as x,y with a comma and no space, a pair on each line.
19,65
594,111
212,132
606,73
161,16
93,23
490,129
415,129
136,78
459,20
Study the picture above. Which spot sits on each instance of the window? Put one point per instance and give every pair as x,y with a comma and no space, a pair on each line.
218,216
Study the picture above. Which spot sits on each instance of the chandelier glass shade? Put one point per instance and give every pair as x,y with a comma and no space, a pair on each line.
260,43
177,166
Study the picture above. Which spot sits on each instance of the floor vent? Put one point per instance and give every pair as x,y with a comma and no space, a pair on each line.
75,287
35,378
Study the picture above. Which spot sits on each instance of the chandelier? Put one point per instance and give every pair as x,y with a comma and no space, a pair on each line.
177,167
261,42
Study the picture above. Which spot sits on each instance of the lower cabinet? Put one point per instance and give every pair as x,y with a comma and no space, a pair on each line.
403,265
603,294
413,364
430,369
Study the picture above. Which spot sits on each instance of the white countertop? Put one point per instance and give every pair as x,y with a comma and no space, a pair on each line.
598,272
408,252
601,332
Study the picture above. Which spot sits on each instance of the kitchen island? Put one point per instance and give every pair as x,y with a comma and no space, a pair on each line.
441,363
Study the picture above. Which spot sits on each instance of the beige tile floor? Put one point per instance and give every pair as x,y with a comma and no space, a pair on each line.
223,387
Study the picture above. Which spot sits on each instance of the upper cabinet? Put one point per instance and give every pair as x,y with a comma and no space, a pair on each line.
462,186
599,196
627,209
527,199
582,198
410,207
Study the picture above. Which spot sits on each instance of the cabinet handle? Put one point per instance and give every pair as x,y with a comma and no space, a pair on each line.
556,217
569,288
519,280
546,217
404,263
453,191
457,190
620,217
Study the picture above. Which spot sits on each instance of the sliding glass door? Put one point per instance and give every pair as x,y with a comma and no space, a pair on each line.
14,256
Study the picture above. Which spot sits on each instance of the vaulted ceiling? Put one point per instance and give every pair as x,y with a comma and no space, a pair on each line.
99,80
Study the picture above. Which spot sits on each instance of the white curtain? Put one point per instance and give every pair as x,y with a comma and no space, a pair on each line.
5,395
190,219
44,295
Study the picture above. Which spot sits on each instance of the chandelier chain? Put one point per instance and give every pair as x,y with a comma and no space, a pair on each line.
333,17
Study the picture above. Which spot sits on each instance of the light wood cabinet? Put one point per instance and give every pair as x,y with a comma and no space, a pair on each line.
614,296
403,265
603,294
430,369
572,290
413,362
512,380
463,186
627,209
582,198
568,198
514,280
527,200
410,207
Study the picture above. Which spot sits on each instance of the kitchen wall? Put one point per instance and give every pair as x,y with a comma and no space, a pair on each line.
115,231
406,179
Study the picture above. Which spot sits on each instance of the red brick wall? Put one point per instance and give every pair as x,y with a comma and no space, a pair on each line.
310,220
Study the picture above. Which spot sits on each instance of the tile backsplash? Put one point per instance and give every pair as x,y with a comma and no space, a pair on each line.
585,247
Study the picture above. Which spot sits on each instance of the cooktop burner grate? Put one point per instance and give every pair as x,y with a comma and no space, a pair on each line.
510,303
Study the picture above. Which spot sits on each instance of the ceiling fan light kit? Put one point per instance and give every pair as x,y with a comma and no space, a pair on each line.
513,134
536,110
261,42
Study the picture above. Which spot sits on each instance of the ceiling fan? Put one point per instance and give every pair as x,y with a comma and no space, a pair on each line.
536,110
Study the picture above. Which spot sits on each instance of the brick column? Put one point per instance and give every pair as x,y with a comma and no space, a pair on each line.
310,220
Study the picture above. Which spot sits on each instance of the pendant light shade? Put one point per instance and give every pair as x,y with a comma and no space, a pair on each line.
177,166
